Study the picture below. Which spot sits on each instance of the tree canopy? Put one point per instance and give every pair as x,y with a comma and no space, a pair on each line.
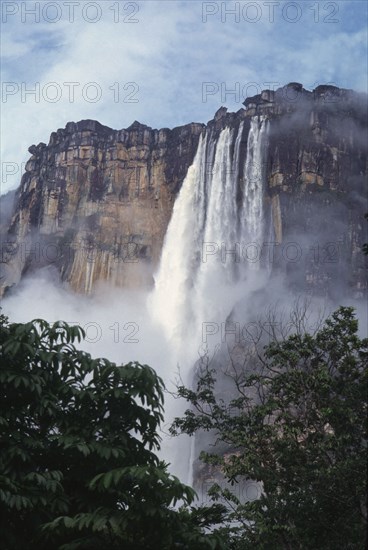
297,425
78,437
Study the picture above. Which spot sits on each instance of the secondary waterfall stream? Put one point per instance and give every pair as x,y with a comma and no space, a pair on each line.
217,215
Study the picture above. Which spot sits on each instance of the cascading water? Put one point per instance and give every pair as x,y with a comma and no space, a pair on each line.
207,231
171,299
201,273
252,227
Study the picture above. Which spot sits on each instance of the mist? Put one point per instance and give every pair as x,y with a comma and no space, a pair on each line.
224,271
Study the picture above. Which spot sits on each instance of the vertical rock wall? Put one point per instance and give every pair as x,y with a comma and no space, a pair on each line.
94,204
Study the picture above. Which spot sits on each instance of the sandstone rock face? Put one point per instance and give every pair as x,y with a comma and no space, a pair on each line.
316,177
95,202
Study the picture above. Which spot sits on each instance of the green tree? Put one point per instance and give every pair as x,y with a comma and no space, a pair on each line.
297,425
77,461
365,245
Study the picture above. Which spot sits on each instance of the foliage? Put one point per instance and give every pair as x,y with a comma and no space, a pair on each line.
77,461
365,245
300,430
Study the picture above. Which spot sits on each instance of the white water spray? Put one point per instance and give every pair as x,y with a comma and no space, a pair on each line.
200,276
252,227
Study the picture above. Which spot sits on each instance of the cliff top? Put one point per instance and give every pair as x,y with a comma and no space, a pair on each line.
289,94
294,91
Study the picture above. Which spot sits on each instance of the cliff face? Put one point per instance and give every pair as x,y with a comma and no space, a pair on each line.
316,174
95,203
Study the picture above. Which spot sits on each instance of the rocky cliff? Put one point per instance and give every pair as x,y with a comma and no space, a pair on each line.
95,202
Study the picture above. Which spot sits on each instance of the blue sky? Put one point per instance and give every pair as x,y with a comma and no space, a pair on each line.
172,62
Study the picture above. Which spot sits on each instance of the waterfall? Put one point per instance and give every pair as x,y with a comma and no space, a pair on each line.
252,225
216,273
171,299
208,233
219,207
